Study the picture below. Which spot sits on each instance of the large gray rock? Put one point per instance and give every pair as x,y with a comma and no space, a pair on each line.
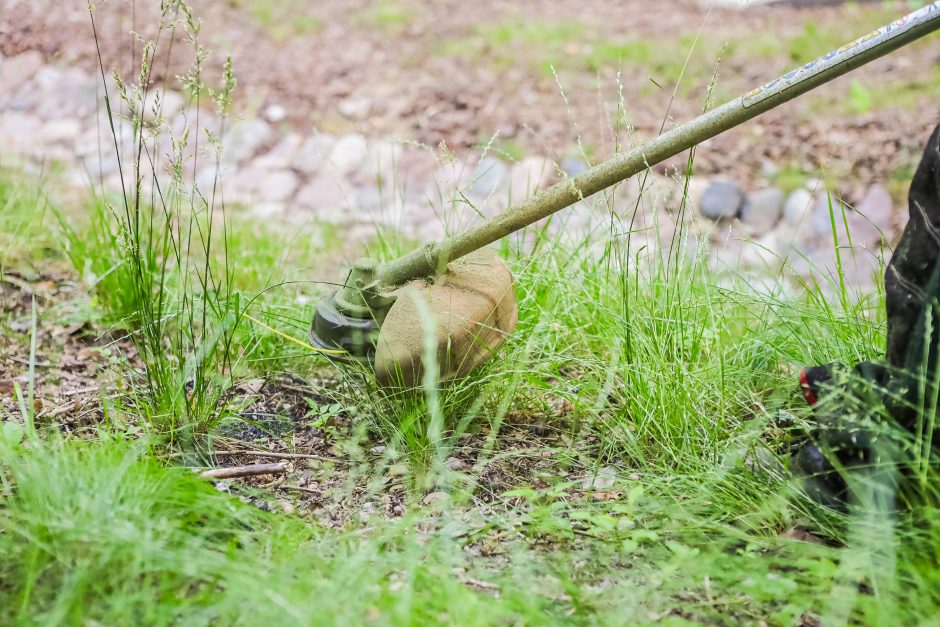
721,200
762,210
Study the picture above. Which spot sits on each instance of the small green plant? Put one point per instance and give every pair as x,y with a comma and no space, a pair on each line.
323,416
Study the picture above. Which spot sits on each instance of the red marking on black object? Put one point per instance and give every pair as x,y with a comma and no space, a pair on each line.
808,392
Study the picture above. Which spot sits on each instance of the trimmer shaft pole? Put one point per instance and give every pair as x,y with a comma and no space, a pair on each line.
432,258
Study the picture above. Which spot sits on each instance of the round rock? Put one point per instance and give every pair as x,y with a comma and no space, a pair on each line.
721,199
762,210
798,203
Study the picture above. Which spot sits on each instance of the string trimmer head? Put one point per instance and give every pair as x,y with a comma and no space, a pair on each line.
456,320
452,303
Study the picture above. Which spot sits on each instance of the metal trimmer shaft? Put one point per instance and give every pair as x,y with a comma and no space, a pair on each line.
430,259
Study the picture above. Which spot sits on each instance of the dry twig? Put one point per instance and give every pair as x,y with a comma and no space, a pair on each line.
254,470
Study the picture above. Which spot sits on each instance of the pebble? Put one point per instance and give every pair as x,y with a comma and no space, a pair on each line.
275,113
435,497
603,480
455,463
721,200
355,108
762,210
61,130
169,103
282,155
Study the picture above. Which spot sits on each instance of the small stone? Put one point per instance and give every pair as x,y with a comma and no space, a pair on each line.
355,108
603,480
312,152
455,463
282,155
762,210
849,224
435,497
348,154
722,199
488,176
798,204
244,139
275,113
417,165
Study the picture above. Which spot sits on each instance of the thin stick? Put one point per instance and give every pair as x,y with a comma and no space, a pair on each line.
254,470
279,455
299,489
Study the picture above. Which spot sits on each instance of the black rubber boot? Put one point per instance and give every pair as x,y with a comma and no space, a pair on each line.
846,404
912,290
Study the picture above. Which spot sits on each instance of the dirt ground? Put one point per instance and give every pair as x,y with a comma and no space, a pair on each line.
464,72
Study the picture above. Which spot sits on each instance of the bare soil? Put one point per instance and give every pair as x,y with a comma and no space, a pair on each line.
461,72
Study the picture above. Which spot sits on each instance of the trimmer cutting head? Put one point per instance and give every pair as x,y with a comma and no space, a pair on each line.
455,321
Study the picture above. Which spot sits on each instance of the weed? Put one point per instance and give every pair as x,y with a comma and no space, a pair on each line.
151,256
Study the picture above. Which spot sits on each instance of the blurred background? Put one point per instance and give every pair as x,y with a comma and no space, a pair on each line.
496,98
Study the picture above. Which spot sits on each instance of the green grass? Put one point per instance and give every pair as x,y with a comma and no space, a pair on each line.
283,19
390,17
25,238
672,375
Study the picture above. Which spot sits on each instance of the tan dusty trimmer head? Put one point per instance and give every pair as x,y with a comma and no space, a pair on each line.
465,312
384,314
